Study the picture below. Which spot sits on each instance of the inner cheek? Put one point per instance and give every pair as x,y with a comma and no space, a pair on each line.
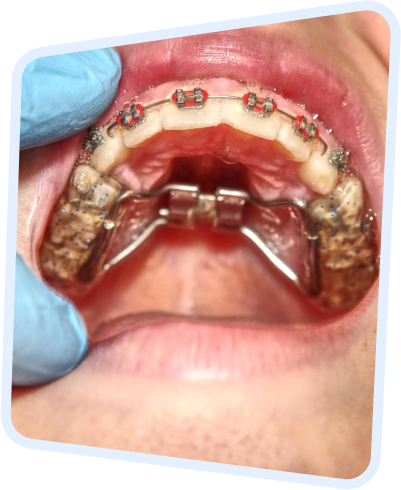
43,172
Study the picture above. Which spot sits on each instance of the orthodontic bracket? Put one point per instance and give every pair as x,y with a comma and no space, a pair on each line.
224,209
128,119
305,130
339,158
255,105
190,99
93,139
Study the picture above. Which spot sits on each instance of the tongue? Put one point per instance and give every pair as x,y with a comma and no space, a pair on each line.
199,273
202,273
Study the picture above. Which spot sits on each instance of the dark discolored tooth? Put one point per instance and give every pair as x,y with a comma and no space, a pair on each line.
347,245
76,223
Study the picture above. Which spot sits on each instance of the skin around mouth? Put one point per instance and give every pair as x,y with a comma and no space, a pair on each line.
222,381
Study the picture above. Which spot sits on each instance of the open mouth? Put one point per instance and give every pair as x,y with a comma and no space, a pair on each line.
221,216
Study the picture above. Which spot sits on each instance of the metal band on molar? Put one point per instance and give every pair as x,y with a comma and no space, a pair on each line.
76,223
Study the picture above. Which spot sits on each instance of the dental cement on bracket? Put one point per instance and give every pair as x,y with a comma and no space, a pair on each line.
196,99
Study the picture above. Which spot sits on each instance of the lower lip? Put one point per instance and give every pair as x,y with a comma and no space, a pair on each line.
194,350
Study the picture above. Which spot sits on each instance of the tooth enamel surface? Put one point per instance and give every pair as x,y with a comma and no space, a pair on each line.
235,115
173,118
299,148
318,173
149,128
109,152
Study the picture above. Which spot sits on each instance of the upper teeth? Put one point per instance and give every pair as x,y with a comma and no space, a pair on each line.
319,169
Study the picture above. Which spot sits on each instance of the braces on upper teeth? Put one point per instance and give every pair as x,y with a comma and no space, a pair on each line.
196,99
337,238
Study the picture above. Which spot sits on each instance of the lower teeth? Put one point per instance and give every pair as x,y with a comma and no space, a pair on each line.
76,238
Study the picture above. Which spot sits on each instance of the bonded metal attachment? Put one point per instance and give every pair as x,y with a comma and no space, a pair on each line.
128,119
194,99
93,140
307,131
185,205
339,159
256,105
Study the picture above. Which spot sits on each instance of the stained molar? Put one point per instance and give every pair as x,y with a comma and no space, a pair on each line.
347,244
76,223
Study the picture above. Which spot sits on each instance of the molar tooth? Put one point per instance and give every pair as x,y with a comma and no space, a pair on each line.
75,224
173,118
149,128
318,173
263,127
342,207
109,152
83,179
100,192
299,148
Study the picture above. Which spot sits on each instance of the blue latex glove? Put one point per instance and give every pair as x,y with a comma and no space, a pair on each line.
61,95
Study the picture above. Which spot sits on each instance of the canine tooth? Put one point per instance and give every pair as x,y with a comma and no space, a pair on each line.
263,127
107,154
173,118
300,149
319,174
149,128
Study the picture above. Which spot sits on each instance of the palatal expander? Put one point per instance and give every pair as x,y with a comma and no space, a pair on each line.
337,229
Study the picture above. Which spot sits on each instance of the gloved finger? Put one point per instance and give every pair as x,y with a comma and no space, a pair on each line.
49,336
64,94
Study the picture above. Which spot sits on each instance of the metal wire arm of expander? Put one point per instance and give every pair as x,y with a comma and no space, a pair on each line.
224,210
